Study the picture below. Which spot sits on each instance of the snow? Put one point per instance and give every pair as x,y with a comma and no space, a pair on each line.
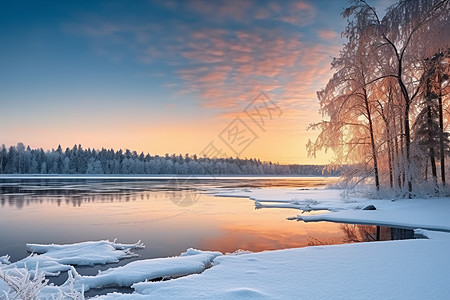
3,287
86,253
431,214
303,199
190,262
53,259
5,259
20,284
404,269
48,265
407,269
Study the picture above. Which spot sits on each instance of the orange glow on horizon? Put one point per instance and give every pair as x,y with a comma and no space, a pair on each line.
284,139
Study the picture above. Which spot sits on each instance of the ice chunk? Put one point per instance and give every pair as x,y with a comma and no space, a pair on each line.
190,262
48,265
5,259
86,253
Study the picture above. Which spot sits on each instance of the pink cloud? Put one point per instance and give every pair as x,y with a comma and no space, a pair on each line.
303,6
327,34
227,68
213,77
251,62
300,14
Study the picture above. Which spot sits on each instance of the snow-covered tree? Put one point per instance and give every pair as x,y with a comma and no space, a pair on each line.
377,89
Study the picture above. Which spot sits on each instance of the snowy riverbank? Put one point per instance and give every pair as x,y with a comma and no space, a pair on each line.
406,269
431,213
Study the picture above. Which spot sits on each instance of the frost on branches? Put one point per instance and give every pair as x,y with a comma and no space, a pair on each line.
385,110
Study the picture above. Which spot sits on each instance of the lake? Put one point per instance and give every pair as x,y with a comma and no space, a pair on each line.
168,215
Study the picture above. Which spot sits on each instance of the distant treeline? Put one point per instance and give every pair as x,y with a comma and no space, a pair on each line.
24,160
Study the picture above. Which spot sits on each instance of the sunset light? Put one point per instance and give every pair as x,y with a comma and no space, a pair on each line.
224,149
147,76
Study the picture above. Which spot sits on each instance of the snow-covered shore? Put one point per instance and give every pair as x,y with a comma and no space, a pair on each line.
431,213
406,269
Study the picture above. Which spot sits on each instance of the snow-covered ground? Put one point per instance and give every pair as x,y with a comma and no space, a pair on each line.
406,269
432,213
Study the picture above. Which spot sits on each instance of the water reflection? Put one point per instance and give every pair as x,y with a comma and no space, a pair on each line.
76,199
355,233
182,192
67,211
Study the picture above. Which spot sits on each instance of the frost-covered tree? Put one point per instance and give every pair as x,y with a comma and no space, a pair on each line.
91,161
348,104
377,90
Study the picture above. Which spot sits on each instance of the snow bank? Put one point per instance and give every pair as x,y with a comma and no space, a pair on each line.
407,269
281,194
302,199
86,253
431,213
191,262
48,265
50,260
53,259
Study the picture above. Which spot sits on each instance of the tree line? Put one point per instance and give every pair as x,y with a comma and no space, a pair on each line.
386,108
77,160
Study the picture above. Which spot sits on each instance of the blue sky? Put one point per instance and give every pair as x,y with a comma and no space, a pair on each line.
163,76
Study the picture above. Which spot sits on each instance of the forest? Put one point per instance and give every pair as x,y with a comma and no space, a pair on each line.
24,160
385,111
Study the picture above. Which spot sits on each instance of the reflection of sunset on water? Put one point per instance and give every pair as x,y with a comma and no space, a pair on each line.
147,211
270,236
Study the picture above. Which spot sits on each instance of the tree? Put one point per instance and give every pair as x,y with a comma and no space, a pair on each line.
368,104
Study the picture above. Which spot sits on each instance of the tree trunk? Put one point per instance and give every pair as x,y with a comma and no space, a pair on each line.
402,148
397,154
430,135
389,138
408,150
405,94
407,132
441,138
390,160
372,142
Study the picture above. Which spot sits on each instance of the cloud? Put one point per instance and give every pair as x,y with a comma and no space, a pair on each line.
327,34
299,14
223,58
220,10
236,66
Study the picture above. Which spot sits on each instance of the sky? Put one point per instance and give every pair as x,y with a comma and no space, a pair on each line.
216,78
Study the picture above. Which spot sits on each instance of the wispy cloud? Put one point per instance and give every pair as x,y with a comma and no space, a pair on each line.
328,34
223,53
226,65
298,13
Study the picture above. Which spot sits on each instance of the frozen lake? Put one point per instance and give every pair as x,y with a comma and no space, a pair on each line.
168,215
